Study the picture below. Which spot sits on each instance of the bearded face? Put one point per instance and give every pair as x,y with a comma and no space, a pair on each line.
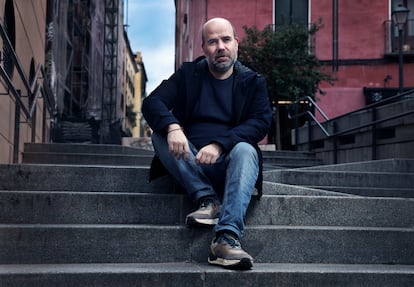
220,47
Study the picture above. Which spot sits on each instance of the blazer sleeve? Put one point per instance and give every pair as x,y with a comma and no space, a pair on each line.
157,107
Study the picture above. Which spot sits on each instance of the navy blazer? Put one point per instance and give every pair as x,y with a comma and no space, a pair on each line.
173,101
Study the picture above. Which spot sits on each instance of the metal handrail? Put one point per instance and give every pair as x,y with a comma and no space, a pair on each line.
34,91
373,123
401,115
307,98
15,59
14,91
368,107
379,103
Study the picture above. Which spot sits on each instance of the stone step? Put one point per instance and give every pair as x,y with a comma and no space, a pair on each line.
49,177
77,148
385,165
286,162
54,244
86,159
342,178
289,154
30,207
142,160
274,188
118,149
74,177
190,274
370,191
81,154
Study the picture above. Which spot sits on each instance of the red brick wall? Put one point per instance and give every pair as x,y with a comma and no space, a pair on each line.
361,37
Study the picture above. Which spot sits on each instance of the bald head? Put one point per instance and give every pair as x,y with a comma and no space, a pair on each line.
220,44
216,22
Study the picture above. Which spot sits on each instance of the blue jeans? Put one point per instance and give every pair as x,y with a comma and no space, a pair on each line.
231,178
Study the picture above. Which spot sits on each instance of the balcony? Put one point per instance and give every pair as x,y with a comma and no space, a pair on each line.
391,38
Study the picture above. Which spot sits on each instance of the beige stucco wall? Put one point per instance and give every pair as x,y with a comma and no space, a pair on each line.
30,21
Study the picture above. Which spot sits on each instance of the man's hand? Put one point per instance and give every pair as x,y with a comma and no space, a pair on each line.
177,142
209,154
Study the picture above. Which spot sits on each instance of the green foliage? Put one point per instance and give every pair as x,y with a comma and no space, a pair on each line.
283,57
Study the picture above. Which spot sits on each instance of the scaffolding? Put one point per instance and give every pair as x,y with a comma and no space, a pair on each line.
110,68
82,64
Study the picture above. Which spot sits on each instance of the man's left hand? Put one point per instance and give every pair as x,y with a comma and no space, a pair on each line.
209,154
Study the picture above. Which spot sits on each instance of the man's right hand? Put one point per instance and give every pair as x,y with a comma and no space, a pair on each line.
177,142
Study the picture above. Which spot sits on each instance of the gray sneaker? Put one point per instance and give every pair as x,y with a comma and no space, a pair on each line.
206,215
227,252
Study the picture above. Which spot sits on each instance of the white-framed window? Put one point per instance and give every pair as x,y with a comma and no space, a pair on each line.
291,12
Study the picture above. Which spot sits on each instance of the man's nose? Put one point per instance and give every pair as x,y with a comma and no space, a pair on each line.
220,45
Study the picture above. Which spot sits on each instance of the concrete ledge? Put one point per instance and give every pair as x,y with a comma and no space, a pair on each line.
203,275
161,209
36,244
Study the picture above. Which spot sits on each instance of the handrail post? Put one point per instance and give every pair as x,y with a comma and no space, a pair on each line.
44,117
309,135
33,119
16,131
296,128
335,143
374,134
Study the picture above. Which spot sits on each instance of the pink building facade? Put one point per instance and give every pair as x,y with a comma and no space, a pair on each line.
357,41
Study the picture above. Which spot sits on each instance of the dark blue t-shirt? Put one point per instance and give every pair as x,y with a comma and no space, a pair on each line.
213,111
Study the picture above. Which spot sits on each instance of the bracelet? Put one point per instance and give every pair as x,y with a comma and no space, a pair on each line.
178,129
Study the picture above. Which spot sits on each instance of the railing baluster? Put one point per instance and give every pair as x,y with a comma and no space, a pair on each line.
34,90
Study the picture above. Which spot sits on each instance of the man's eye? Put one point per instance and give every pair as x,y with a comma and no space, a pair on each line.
212,42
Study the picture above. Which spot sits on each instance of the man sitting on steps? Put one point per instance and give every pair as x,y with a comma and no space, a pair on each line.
207,119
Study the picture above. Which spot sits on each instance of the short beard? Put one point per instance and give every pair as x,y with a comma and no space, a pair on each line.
222,67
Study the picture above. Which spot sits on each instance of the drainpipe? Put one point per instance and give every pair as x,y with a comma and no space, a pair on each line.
335,36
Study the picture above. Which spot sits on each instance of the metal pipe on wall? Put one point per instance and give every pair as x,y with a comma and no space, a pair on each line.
335,16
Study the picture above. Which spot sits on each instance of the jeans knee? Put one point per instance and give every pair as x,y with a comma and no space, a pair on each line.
243,149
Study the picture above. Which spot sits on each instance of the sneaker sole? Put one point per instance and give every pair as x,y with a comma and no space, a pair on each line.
236,264
191,221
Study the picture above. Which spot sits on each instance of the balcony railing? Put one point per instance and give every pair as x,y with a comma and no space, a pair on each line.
391,38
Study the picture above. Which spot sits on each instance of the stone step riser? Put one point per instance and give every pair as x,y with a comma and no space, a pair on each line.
87,159
79,178
351,179
139,160
120,208
370,191
140,243
126,150
133,179
385,165
135,160
199,276
97,149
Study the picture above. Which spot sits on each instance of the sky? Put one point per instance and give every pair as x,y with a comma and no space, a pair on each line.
151,31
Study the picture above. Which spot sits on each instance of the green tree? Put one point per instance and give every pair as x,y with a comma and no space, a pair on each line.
282,55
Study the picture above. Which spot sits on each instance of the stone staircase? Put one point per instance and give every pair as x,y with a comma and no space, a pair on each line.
61,153
96,222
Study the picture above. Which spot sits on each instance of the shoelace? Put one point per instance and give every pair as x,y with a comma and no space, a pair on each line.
234,243
206,203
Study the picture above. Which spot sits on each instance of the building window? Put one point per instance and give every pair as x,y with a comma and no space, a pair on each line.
289,12
408,29
11,34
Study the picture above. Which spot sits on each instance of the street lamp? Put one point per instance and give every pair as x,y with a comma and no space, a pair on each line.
400,14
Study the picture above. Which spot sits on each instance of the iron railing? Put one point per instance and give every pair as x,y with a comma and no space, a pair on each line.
26,102
334,133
